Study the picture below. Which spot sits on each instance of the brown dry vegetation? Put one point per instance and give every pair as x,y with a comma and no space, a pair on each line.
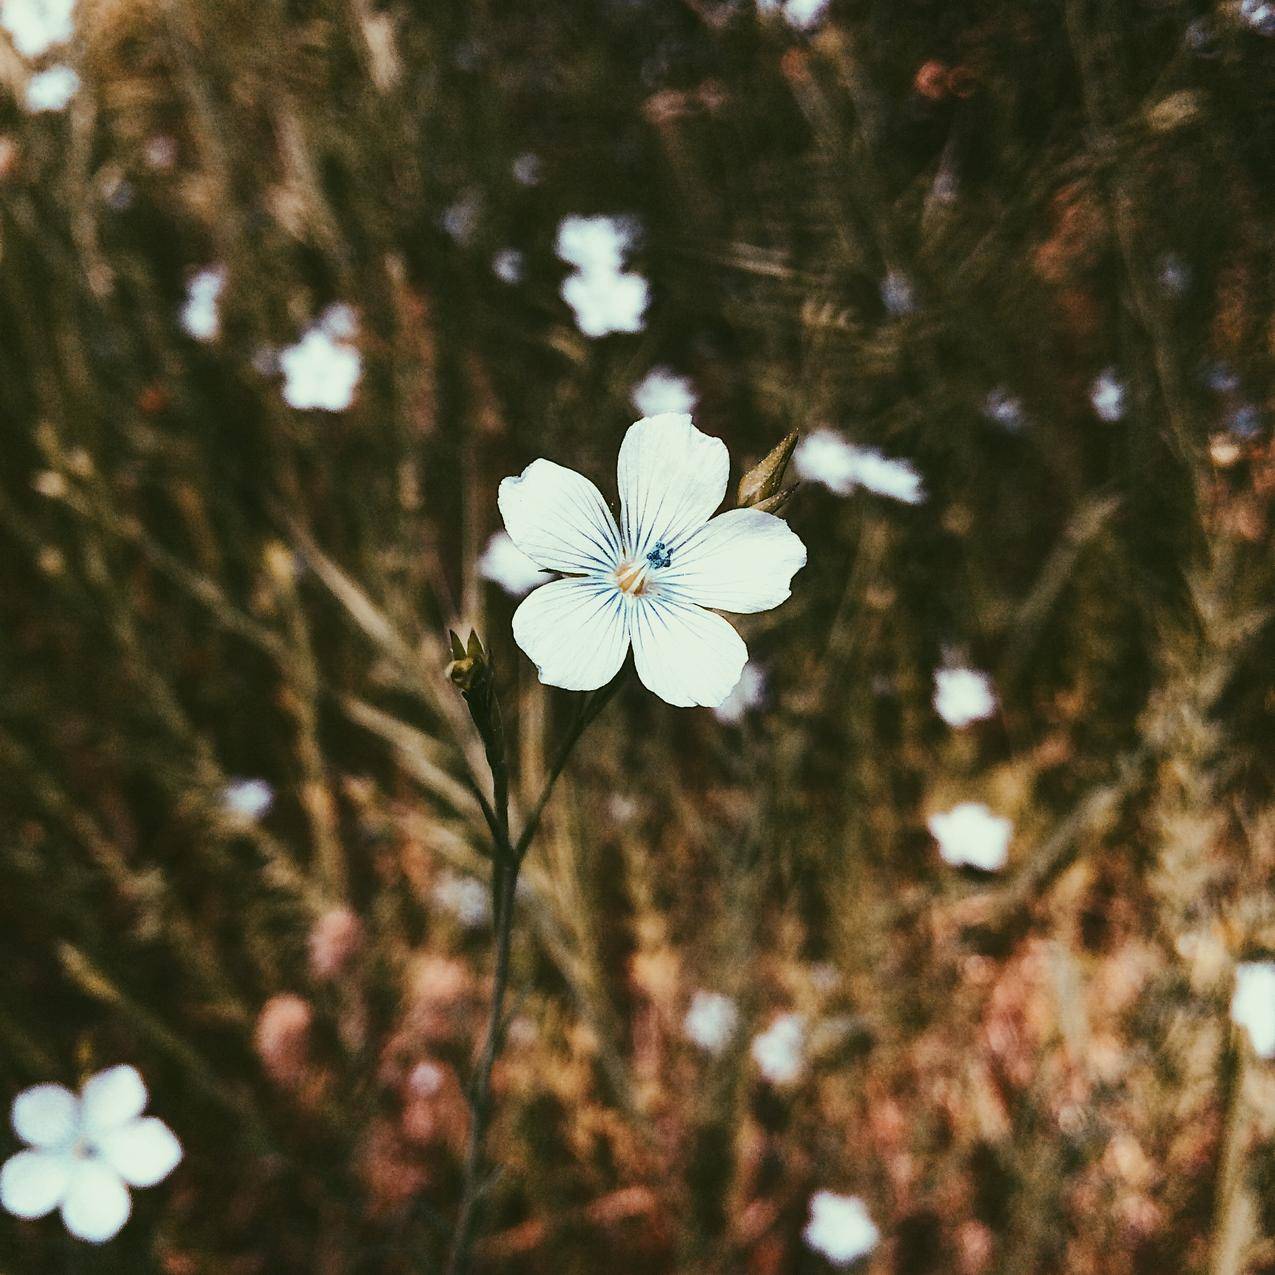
1032,1072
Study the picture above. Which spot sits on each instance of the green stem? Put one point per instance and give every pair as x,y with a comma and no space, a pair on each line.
507,862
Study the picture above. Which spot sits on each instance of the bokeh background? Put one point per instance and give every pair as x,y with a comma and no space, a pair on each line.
1024,248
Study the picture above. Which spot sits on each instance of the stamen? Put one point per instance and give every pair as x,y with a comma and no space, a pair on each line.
660,556
631,577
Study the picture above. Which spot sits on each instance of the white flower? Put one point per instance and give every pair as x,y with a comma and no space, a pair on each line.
86,1152
466,898
199,315
962,696
1260,15
971,834
1004,408
840,1227
749,692
460,220
800,14
595,245
780,1051
51,90
503,563
711,1020
1253,1004
606,301
662,390
250,798
323,369
1108,397
37,25
526,169
506,265
896,293
649,582
826,457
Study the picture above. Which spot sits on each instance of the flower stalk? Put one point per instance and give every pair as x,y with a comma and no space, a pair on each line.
470,671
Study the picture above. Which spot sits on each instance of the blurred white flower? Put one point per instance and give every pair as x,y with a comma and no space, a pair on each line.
1004,408
803,15
896,294
971,834
963,695
780,1051
249,798
199,315
840,1228
711,1020
1108,396
504,564
748,694
86,1152
1260,15
824,456
466,898
656,582
526,169
606,302
37,25
51,90
460,220
595,244
506,265
662,390
323,369
1253,1004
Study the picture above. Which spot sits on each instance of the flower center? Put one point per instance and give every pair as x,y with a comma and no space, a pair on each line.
660,556
631,577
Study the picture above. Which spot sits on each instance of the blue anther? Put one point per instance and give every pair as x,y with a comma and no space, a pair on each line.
659,556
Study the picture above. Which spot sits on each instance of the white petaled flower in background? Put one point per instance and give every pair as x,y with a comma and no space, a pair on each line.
603,296
466,898
963,695
663,390
748,694
323,369
1108,397
1253,1004
85,1152
504,564
825,457
595,245
606,302
780,1051
840,1228
801,15
248,798
35,26
199,316
507,266
51,90
711,1020
655,581
971,834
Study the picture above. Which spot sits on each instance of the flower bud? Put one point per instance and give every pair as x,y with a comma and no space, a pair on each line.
765,478
469,665
777,503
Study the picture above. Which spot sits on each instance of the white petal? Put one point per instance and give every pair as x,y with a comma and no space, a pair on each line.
46,1116
671,477
743,561
32,1183
111,1098
96,1203
575,632
142,1152
686,655
559,520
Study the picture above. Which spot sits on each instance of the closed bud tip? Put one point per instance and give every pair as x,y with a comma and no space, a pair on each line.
764,481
